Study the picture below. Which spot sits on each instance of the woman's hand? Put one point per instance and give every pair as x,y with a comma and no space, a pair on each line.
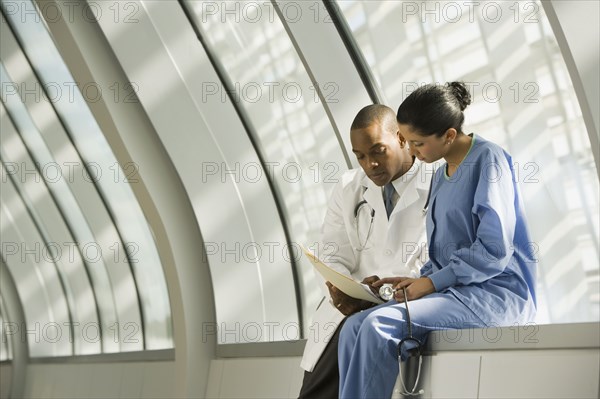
415,287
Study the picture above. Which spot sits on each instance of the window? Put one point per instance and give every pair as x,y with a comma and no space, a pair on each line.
290,125
79,202
524,101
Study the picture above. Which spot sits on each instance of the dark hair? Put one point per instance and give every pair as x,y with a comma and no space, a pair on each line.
375,113
433,108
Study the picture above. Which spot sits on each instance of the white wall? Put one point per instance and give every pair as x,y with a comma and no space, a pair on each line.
545,373
102,380
260,378
546,361
559,373
5,379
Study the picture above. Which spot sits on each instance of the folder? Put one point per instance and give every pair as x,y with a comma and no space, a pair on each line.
344,283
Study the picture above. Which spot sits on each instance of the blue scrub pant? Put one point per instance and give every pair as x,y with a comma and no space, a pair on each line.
368,346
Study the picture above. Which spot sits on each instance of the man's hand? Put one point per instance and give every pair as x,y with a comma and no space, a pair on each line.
346,304
415,287
370,281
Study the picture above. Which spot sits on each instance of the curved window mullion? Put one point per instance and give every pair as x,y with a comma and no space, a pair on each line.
39,286
56,262
253,136
569,139
133,243
83,300
365,72
63,192
6,344
145,322
107,244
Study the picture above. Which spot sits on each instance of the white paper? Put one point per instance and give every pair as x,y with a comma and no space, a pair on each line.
344,283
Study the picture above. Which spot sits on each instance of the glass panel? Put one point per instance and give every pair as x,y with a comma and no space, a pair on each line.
38,283
65,199
57,239
271,84
6,344
523,100
137,247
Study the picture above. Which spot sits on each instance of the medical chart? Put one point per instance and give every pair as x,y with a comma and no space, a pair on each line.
344,283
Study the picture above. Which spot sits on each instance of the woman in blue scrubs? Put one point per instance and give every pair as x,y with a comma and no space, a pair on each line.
482,266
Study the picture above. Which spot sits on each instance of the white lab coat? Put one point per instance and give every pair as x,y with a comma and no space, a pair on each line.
394,248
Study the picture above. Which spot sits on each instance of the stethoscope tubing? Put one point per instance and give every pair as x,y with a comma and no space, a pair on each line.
363,202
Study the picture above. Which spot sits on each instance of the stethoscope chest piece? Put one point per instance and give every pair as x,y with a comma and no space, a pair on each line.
386,292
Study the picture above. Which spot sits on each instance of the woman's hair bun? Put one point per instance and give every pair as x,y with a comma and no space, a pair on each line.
460,91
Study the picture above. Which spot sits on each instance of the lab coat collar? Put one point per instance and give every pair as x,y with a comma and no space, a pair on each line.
417,179
411,194
372,194
423,172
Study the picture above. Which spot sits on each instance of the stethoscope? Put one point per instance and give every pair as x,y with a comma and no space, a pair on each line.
362,246
386,292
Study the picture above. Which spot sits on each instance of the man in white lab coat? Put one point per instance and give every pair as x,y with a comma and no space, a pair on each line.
374,226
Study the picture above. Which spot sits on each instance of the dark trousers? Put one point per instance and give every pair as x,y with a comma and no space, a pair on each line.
323,382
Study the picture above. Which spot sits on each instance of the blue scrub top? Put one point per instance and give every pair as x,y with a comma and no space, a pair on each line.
479,245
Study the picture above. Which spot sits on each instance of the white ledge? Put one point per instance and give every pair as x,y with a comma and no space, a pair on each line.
531,336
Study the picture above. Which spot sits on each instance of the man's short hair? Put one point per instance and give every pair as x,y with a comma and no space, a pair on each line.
376,114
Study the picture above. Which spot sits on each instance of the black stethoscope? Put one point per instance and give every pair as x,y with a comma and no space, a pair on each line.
363,245
358,207
386,292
